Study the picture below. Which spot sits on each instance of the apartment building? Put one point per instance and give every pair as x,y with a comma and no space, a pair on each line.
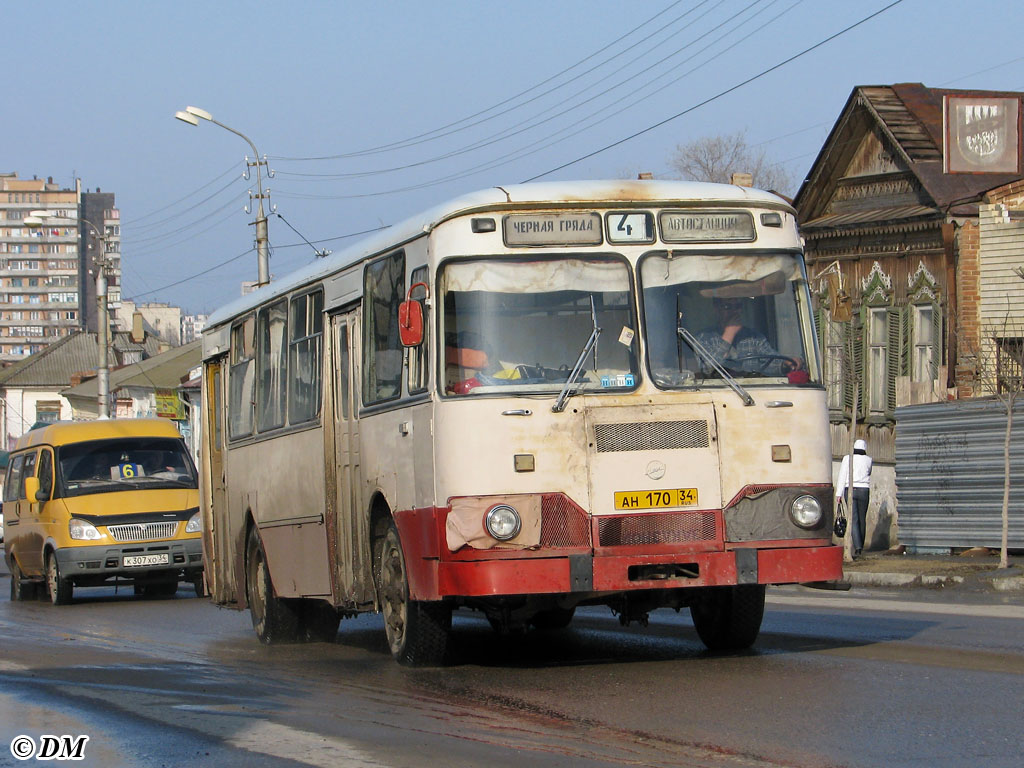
48,273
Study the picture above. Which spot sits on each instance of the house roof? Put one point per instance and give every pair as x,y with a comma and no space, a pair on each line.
163,371
54,365
910,116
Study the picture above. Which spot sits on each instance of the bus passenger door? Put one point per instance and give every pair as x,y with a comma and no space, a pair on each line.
355,572
216,536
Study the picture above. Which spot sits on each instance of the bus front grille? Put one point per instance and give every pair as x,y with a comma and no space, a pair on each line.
142,531
671,528
563,523
651,436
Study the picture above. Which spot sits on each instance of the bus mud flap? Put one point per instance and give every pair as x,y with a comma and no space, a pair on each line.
581,573
746,566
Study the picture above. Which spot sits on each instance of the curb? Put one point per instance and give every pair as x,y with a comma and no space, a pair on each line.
997,582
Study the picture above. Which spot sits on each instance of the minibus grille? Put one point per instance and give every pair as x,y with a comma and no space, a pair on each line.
653,436
642,530
143,531
563,524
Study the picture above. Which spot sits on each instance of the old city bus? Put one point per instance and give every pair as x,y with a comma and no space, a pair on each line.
529,399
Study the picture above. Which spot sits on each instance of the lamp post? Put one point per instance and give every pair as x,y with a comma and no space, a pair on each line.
192,115
37,219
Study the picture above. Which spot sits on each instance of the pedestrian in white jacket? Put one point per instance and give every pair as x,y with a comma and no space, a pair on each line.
861,491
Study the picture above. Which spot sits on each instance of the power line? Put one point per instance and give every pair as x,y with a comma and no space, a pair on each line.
720,94
420,138
186,197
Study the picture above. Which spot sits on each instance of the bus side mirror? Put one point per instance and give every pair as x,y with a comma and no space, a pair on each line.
410,319
32,492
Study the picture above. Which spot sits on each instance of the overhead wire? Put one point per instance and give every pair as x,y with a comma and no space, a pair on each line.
719,95
180,200
413,140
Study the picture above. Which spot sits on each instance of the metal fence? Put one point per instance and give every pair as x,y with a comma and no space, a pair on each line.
950,470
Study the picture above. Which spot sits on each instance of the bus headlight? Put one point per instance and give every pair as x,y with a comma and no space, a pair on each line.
194,524
806,512
502,522
83,530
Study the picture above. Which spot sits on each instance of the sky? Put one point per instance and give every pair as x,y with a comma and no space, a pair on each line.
371,112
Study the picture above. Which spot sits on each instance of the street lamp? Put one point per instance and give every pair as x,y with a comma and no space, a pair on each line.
37,219
192,116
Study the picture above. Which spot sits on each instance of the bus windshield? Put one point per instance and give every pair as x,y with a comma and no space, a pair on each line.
102,466
520,326
710,317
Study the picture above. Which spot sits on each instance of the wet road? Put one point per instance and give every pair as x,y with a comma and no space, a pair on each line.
857,679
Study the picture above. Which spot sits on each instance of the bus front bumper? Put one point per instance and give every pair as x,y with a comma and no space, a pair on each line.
130,561
586,573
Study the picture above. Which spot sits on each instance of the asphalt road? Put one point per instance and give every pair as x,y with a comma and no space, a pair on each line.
856,679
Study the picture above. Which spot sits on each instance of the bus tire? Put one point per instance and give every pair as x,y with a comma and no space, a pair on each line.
417,631
274,619
729,618
320,621
20,589
59,589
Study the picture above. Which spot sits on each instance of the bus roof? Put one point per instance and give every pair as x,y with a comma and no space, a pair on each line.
64,432
537,194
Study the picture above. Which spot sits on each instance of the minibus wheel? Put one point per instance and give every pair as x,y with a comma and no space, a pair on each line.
19,589
729,618
60,589
417,631
274,619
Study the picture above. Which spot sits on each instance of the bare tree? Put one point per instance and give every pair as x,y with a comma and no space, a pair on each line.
999,365
717,158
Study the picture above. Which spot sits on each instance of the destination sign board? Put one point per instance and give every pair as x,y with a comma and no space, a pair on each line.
706,226
553,229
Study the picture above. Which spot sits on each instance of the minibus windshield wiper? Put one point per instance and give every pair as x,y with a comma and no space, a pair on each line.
702,352
595,334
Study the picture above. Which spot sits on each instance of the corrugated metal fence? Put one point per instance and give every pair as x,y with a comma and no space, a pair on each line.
949,474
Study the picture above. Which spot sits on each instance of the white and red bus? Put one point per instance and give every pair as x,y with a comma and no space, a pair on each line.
529,399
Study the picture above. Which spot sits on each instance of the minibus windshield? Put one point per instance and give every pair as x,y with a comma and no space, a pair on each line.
518,326
102,466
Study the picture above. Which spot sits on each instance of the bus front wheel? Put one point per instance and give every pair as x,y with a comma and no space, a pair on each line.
60,589
417,631
274,620
729,618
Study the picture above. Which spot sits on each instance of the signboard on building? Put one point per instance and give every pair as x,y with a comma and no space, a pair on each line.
982,134
169,405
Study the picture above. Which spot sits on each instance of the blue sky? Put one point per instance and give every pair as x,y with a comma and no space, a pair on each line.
92,89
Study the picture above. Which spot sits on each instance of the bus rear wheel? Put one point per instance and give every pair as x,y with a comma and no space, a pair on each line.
729,618
21,589
59,588
274,620
417,631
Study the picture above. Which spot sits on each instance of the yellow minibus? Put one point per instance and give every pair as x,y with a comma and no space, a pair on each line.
88,503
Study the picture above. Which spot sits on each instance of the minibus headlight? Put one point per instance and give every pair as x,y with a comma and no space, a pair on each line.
195,524
806,512
83,530
502,522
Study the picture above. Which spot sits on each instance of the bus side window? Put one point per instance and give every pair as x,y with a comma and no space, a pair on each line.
383,291
28,470
240,398
304,352
418,357
344,364
45,472
12,485
271,365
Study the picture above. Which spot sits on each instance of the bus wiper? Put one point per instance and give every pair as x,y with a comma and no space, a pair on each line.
595,334
702,352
